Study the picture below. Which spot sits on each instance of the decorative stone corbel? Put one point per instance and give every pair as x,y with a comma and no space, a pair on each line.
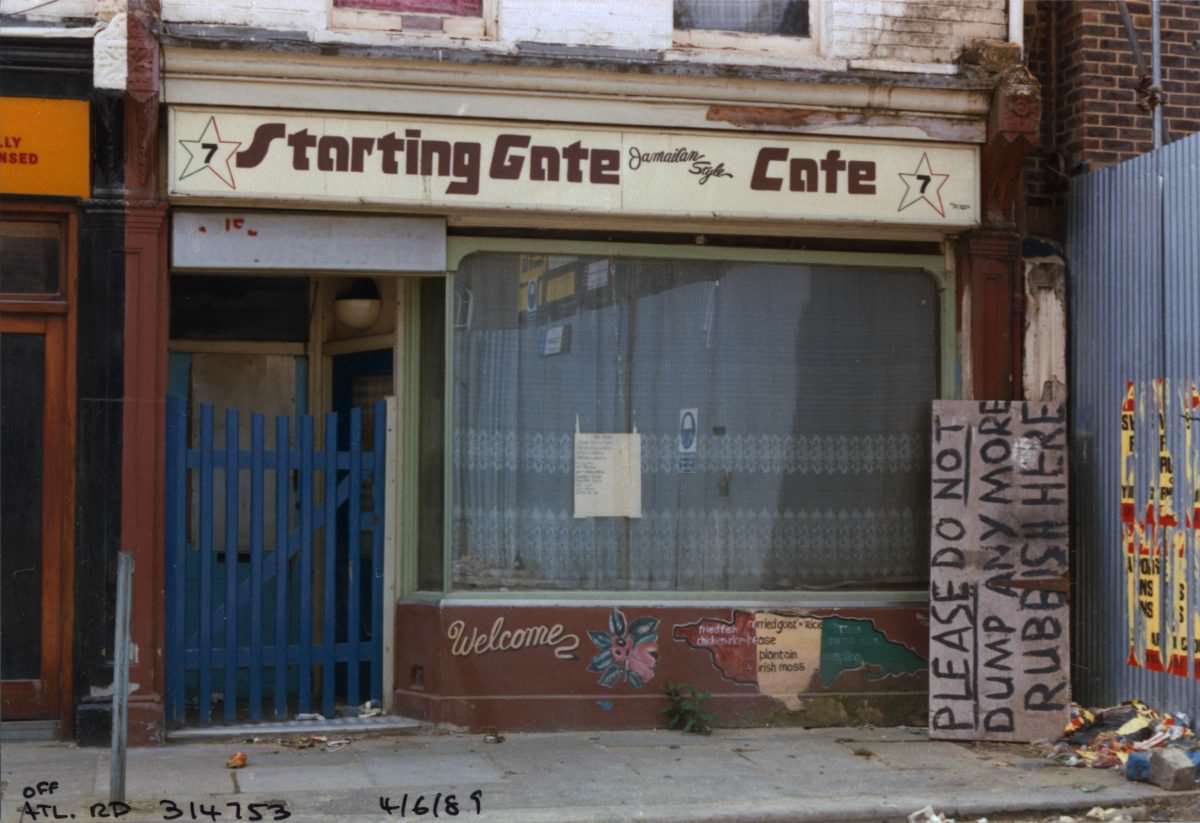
1012,134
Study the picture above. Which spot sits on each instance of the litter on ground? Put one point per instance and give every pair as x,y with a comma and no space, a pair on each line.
1125,737
928,815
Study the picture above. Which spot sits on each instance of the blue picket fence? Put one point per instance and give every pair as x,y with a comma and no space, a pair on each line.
242,622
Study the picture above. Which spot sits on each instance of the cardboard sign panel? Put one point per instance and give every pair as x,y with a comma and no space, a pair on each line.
44,147
999,665
419,163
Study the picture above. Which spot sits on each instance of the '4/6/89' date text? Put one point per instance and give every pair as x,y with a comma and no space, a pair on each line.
437,805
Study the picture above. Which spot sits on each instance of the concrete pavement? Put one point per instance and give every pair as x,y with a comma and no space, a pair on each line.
572,777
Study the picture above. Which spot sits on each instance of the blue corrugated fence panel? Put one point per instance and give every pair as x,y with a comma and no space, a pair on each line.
1134,260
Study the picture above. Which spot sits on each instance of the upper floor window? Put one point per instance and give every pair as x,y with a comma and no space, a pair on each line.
780,17
777,28
458,8
455,18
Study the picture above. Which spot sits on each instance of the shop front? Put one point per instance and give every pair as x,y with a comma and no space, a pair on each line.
41,157
534,419
60,355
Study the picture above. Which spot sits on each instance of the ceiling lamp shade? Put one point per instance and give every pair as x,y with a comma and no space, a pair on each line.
358,306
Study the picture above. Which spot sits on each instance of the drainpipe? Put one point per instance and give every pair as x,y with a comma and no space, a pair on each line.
1016,23
1156,68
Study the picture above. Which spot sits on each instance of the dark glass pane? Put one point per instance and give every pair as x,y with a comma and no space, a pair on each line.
29,256
465,8
22,385
786,17
431,484
215,307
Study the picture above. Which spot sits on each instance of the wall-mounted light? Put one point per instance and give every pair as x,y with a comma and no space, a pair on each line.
357,306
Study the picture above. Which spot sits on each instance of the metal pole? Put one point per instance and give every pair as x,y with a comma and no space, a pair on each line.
120,704
1156,70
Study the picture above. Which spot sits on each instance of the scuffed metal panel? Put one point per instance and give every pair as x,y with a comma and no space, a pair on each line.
1181,256
1135,355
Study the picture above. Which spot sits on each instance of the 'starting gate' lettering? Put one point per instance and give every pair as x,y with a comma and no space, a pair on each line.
998,604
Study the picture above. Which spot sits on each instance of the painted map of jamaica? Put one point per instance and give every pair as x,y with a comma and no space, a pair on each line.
853,644
730,643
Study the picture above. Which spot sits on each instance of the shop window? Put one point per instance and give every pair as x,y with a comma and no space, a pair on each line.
30,256
802,392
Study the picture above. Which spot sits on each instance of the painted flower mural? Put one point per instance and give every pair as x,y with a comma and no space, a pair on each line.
627,650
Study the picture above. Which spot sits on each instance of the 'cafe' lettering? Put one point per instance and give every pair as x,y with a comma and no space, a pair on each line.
802,172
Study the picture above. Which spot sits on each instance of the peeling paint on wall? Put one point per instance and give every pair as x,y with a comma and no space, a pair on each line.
857,644
791,653
729,643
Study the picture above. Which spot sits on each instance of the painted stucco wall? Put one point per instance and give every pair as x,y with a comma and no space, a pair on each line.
904,31
586,667
909,31
883,33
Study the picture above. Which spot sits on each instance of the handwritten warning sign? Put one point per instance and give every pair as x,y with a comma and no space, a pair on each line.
998,611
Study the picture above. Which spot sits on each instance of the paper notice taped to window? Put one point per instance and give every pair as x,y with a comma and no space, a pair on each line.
608,475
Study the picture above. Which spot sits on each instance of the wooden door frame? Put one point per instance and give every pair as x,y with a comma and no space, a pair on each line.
54,316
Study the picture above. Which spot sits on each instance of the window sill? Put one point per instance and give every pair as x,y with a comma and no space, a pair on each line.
907,68
740,600
420,27
751,57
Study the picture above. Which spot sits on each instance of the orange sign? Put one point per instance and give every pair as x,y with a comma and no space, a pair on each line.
44,147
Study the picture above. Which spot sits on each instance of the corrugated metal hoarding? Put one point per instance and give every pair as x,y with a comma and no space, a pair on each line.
1133,248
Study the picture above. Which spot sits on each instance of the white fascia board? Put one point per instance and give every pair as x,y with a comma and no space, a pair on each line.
51,32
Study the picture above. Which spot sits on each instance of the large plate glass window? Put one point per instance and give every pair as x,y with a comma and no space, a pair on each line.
782,411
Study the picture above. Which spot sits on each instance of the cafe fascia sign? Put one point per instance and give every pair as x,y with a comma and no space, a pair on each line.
430,163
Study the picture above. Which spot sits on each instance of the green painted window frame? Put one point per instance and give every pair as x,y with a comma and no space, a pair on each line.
459,248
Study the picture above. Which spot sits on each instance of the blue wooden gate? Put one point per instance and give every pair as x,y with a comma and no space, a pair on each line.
243,625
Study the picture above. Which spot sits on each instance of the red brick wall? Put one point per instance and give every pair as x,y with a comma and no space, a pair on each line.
1091,118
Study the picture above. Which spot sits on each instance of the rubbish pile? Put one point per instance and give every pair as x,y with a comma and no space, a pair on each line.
1146,744
928,815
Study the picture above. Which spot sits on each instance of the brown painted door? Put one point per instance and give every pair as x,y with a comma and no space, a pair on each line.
35,499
